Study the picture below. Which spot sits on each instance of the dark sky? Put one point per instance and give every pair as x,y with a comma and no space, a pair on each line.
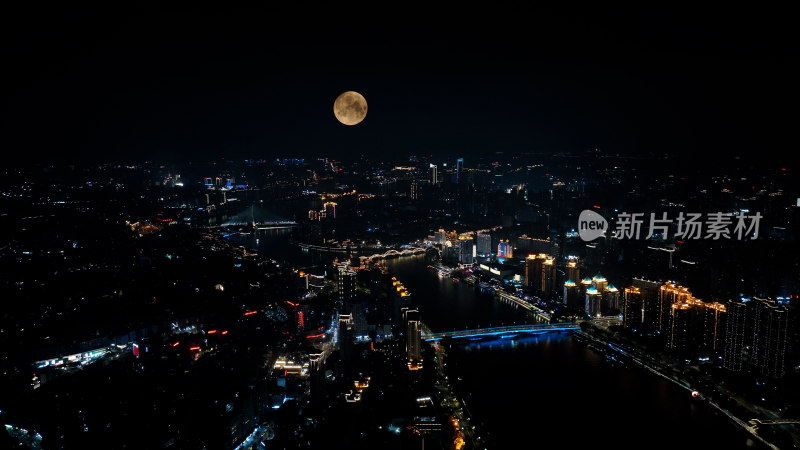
170,83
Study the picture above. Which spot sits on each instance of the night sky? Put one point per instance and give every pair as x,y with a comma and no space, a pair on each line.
169,84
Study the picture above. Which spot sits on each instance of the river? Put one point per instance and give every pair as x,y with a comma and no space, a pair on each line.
554,388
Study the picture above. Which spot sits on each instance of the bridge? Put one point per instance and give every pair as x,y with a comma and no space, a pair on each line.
271,225
503,330
392,253
757,422
540,314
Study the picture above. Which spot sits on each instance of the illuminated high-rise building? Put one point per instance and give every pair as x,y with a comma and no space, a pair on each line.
434,172
346,283
484,244
300,312
459,169
632,308
414,190
572,295
611,298
533,272
695,327
316,376
770,325
600,282
735,334
651,303
584,285
330,210
440,237
548,277
540,274
669,294
573,272
593,302
683,320
413,338
345,342
466,250
714,318
504,249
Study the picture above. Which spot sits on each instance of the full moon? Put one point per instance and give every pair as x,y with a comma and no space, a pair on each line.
350,108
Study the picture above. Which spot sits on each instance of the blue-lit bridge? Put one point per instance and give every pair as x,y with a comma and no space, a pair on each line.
266,225
509,330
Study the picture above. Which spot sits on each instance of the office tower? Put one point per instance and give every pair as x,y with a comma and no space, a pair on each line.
571,294
414,190
770,324
466,250
413,338
504,249
533,272
573,272
459,169
592,305
632,308
434,174
484,244
347,283
548,284
651,303
330,210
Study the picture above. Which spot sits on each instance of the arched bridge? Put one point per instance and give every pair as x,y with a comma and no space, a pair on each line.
392,253
504,330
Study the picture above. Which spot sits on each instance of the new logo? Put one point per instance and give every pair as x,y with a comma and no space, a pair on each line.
591,225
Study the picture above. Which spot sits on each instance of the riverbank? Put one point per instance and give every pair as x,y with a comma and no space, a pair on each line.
467,431
642,362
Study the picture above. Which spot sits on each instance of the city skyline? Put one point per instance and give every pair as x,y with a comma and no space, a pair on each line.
398,227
